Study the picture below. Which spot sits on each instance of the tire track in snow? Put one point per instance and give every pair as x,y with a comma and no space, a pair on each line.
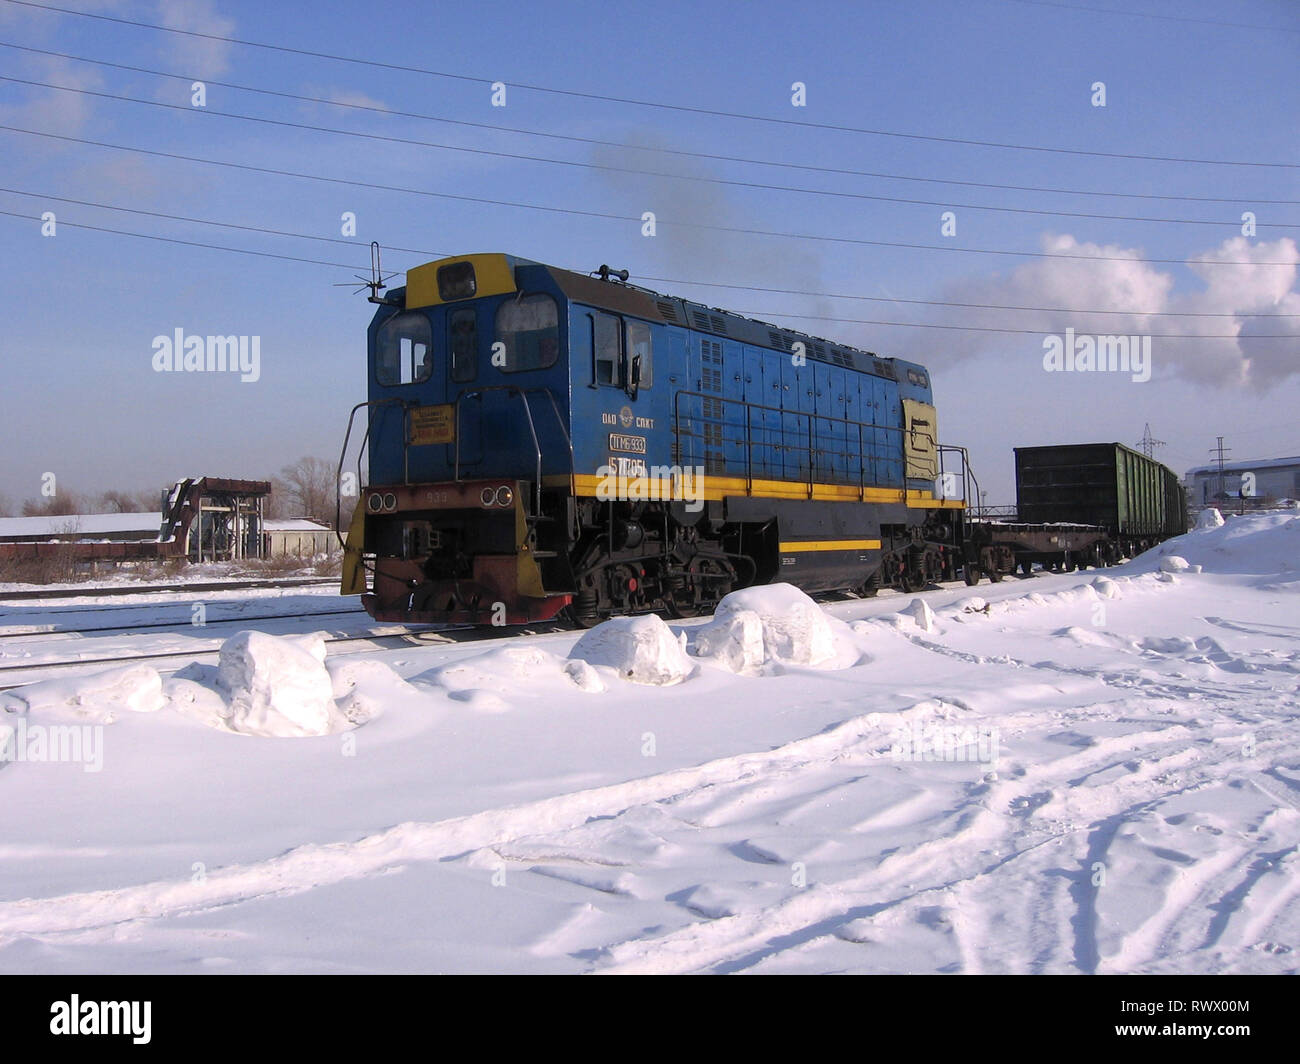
736,942
316,865
1126,682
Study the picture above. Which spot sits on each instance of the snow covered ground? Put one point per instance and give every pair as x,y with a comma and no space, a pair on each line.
1087,772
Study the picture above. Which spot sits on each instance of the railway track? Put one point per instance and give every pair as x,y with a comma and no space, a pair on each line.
389,637
40,631
148,589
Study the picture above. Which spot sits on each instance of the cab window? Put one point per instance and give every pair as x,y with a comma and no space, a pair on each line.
404,350
614,344
463,326
606,349
638,344
529,327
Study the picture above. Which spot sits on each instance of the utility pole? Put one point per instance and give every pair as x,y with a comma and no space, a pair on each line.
1221,455
1149,443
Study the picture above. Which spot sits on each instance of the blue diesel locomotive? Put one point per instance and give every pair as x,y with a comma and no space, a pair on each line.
541,440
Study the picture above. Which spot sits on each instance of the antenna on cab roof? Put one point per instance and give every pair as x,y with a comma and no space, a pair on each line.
376,281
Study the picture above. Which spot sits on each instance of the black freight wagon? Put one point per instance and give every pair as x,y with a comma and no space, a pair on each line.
1079,505
1134,498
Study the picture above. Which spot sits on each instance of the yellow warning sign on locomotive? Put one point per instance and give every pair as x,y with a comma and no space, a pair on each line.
433,424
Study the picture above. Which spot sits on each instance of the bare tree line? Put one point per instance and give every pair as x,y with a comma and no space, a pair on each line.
304,488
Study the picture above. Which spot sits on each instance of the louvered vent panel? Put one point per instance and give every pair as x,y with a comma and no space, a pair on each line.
707,322
780,340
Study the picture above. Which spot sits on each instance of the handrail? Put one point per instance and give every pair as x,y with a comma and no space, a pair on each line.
970,486
523,394
338,473
749,442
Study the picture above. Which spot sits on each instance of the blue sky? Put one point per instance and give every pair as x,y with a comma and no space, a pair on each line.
1201,81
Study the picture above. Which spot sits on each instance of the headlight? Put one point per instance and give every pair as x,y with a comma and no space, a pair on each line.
374,504
390,501
504,496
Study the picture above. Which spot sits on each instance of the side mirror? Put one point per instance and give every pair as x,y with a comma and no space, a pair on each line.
634,377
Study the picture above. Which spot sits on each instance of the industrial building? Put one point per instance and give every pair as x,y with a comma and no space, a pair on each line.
1261,482
204,519
299,538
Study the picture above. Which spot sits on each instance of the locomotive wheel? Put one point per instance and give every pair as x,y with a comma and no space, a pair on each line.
582,610
583,620
995,575
685,600
971,574
716,571
1027,568
870,587
681,603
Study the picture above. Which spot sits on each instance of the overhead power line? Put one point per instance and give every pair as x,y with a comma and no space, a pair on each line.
972,306
264,230
762,314
575,212
187,243
659,105
429,254
996,329
186,109
658,149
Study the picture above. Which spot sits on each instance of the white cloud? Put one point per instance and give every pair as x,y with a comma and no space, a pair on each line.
203,56
52,110
352,98
1220,350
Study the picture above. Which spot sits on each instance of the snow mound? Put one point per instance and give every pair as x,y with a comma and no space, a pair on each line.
734,642
582,674
488,681
641,649
478,699
1210,518
920,612
1105,587
361,688
277,685
1175,563
716,902
98,698
1263,544
794,629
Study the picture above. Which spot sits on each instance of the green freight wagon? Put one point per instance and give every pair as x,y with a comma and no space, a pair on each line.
1138,501
1078,506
